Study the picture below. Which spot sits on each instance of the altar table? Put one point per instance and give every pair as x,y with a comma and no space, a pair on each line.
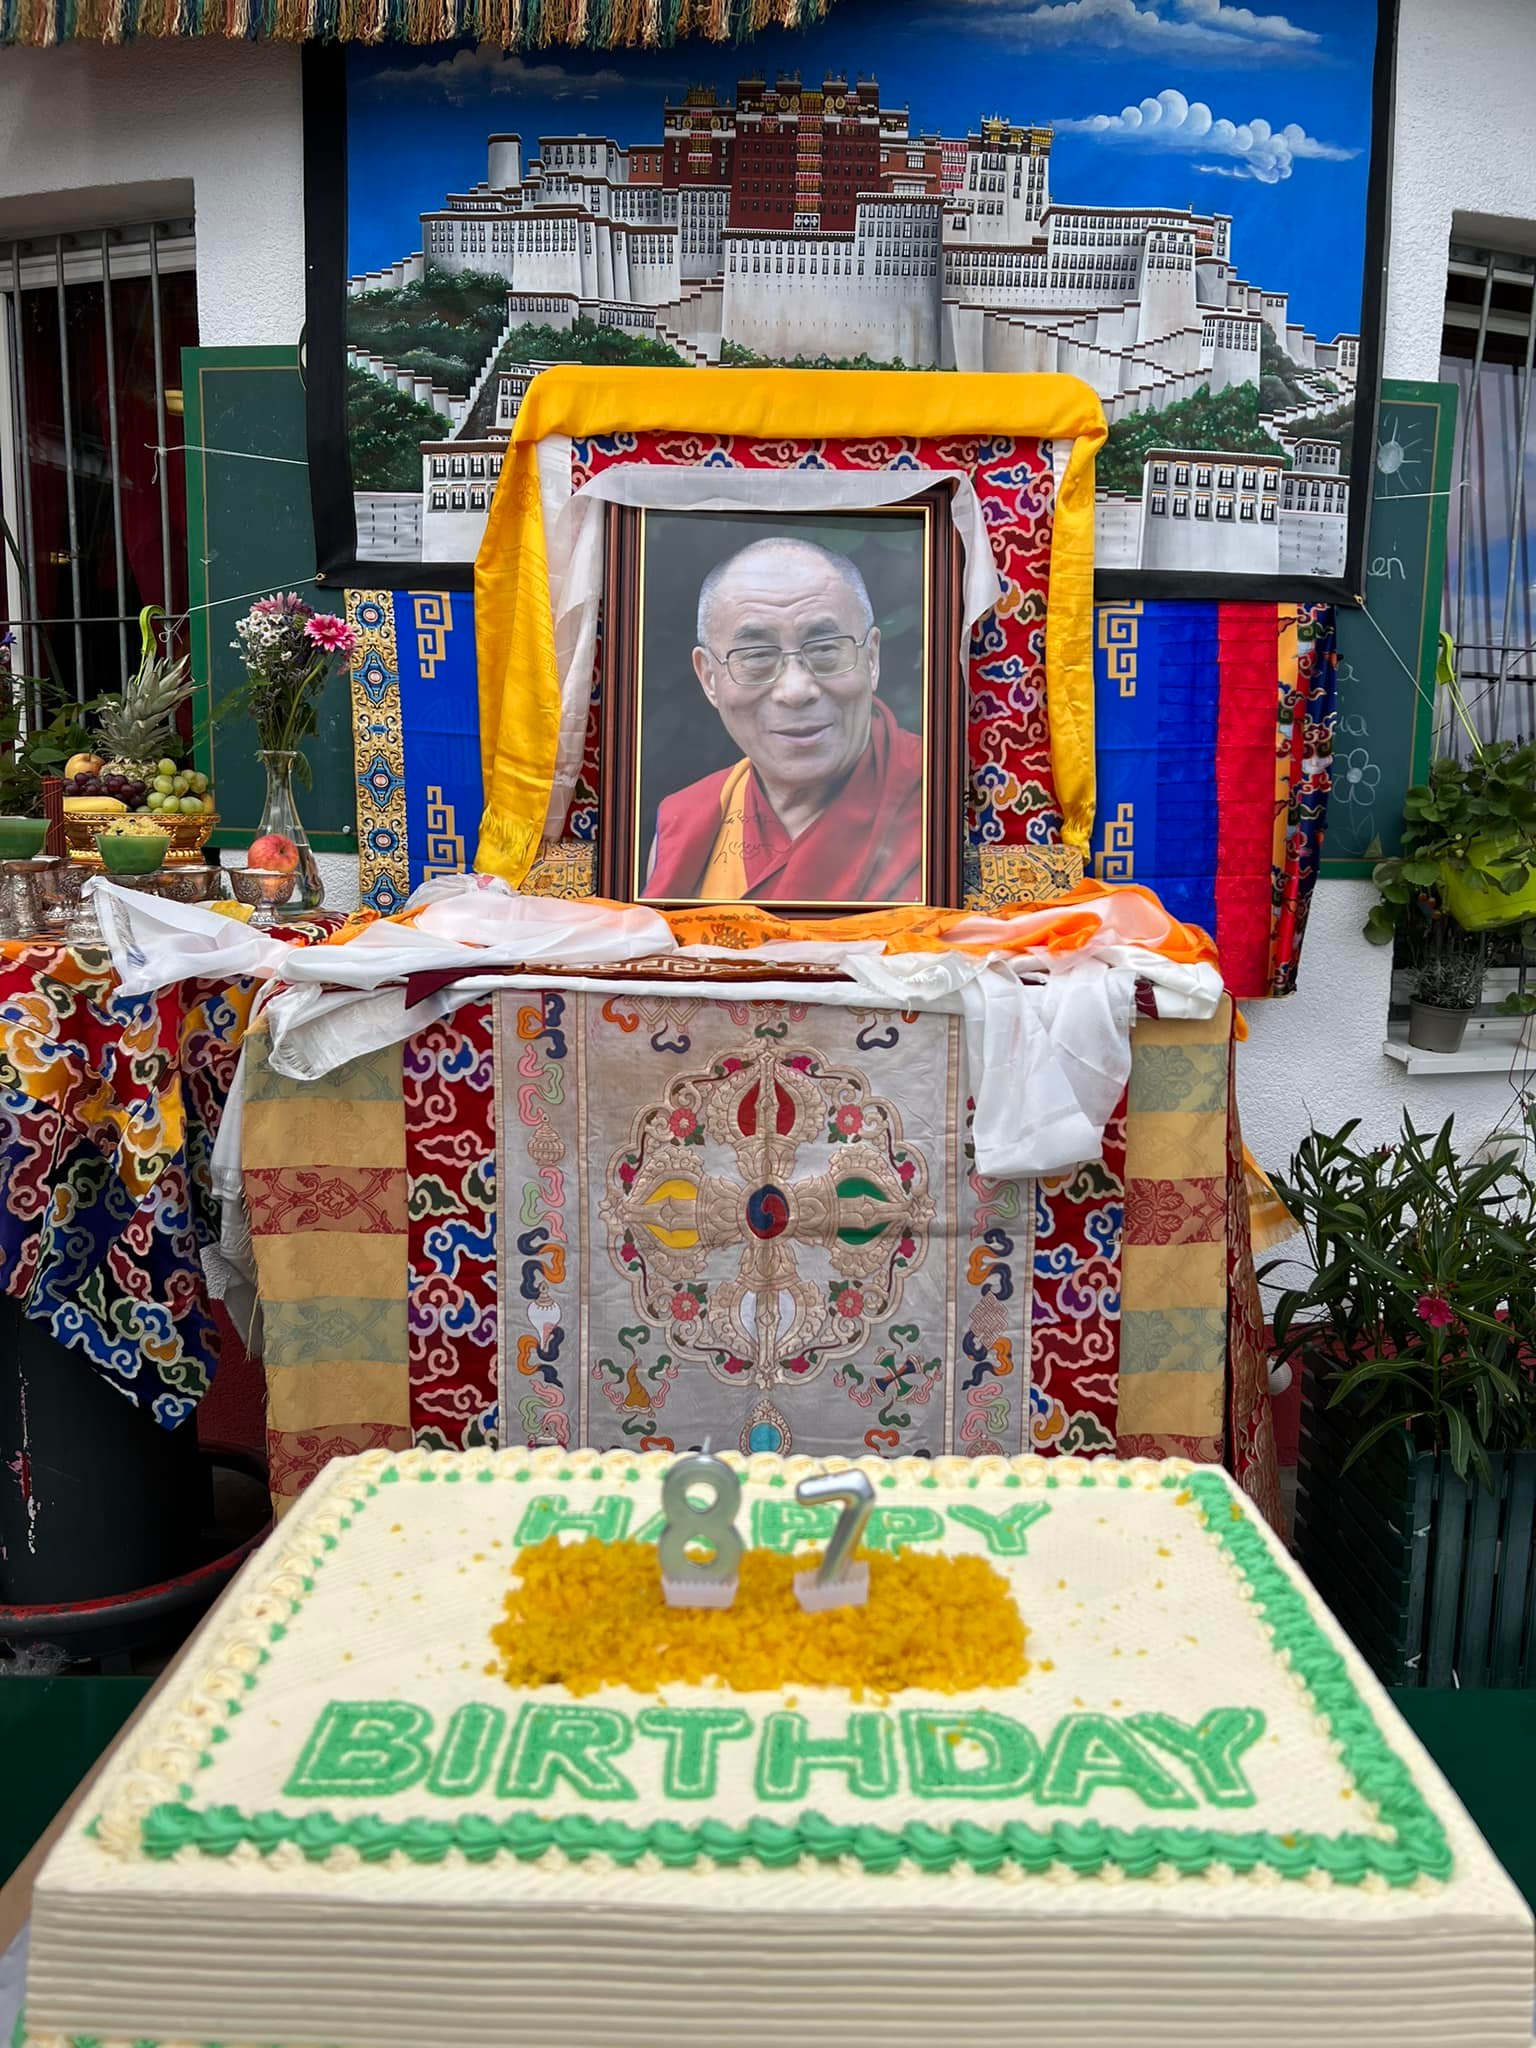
561,1216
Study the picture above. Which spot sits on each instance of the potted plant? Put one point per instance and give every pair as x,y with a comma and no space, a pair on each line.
1414,1318
1468,866
1448,966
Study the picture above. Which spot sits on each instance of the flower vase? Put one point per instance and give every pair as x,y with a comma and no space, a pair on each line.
280,821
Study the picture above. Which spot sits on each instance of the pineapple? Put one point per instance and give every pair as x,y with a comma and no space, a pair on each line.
139,727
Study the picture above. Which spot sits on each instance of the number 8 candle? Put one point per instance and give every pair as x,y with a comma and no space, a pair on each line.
688,1580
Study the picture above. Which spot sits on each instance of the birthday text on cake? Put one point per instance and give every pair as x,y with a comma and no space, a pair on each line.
376,1749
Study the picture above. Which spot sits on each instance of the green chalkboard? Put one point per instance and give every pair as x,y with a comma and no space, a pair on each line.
1387,648
249,532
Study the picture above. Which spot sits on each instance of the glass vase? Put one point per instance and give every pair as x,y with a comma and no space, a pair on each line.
280,820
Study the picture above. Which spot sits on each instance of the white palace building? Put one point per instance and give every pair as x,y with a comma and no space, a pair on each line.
806,223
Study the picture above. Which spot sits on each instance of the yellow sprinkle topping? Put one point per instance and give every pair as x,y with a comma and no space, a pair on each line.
586,1615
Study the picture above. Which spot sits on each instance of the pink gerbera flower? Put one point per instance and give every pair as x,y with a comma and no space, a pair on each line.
331,633
1435,1310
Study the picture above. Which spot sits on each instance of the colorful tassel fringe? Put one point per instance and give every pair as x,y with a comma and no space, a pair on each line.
514,24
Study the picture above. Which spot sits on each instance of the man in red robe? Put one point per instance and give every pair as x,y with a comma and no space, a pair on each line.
826,805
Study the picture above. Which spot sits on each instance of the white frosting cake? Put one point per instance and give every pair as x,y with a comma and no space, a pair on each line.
1193,1818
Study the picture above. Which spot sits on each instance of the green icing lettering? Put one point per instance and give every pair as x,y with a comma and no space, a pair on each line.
894,1528
606,1521
469,1743
1093,1752
693,1736
362,1749
787,1756
650,1529
551,1742
942,1763
1004,1534
1210,1750
781,1524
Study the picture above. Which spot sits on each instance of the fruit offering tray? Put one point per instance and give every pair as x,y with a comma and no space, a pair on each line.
99,792
188,835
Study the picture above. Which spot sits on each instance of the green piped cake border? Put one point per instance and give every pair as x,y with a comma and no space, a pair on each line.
1418,1851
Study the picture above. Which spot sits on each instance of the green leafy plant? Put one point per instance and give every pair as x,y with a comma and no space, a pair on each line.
1450,978
41,724
1469,836
1473,820
1418,1304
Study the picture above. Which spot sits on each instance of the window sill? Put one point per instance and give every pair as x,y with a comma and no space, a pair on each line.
1493,1045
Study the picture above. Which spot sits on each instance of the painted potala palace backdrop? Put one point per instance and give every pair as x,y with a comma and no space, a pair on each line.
1166,198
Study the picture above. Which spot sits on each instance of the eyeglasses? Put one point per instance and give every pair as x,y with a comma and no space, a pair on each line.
756,668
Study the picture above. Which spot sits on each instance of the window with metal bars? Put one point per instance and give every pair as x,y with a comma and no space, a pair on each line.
93,520
1488,348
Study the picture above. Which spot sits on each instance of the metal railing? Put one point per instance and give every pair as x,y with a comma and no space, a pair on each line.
82,449
1488,350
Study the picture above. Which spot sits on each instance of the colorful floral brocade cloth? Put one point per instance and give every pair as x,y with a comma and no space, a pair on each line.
108,1110
566,1218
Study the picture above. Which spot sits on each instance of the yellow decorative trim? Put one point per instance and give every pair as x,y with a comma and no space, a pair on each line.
445,843
434,622
514,627
378,749
1117,861
1120,640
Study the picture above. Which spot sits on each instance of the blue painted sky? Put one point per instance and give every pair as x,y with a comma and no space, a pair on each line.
1200,103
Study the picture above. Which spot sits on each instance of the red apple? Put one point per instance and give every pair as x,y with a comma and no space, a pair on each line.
274,853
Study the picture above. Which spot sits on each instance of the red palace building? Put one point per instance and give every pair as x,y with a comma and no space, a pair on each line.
793,156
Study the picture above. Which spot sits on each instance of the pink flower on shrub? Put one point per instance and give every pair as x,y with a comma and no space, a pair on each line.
1435,1310
849,1119
682,1123
331,633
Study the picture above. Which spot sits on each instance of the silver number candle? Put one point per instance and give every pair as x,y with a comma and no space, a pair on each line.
838,1582
686,1580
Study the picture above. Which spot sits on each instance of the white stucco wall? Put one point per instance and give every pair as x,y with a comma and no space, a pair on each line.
220,118
1466,84
207,127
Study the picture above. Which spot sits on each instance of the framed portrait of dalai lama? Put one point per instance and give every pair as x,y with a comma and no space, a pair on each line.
783,708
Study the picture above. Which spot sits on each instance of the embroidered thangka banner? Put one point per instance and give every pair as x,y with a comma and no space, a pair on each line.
416,739
658,1157
1214,756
